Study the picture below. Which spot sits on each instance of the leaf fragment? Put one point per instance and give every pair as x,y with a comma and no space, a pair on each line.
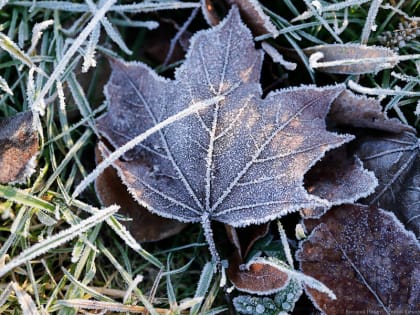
351,58
253,14
395,160
366,257
144,226
353,110
256,277
19,147
339,178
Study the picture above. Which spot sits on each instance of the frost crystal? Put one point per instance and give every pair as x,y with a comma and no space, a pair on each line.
283,301
240,161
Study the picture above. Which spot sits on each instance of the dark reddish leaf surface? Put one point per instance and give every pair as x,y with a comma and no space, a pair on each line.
395,161
144,226
356,111
18,147
210,9
257,277
340,178
367,258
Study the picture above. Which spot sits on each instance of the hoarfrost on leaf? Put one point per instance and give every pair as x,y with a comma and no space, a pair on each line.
366,257
395,159
209,165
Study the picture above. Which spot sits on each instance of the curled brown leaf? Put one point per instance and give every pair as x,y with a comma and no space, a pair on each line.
260,278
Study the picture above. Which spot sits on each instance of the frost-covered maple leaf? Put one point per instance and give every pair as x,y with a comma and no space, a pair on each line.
240,161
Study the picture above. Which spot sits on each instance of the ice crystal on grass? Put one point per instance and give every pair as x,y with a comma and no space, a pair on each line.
283,301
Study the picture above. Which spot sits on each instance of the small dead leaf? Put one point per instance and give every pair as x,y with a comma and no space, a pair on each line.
251,12
254,16
395,160
351,58
19,147
244,238
256,277
144,225
356,111
211,8
367,258
339,178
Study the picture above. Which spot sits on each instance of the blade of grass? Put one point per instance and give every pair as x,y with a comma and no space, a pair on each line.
57,239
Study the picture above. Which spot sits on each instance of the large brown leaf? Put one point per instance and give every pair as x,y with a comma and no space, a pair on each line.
367,258
240,161
18,147
395,159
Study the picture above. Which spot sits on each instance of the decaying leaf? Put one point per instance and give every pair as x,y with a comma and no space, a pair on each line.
210,10
144,225
340,178
251,11
257,277
351,58
18,147
395,160
366,257
261,278
241,161
254,16
356,111
244,238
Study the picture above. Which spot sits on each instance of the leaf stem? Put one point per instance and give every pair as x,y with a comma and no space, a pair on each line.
208,233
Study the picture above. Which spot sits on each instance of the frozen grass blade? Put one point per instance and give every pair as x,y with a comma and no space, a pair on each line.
108,306
112,33
8,45
123,233
129,8
5,87
89,57
37,31
203,285
137,140
370,21
59,69
304,279
58,239
24,198
25,301
127,278
85,288
380,91
323,21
